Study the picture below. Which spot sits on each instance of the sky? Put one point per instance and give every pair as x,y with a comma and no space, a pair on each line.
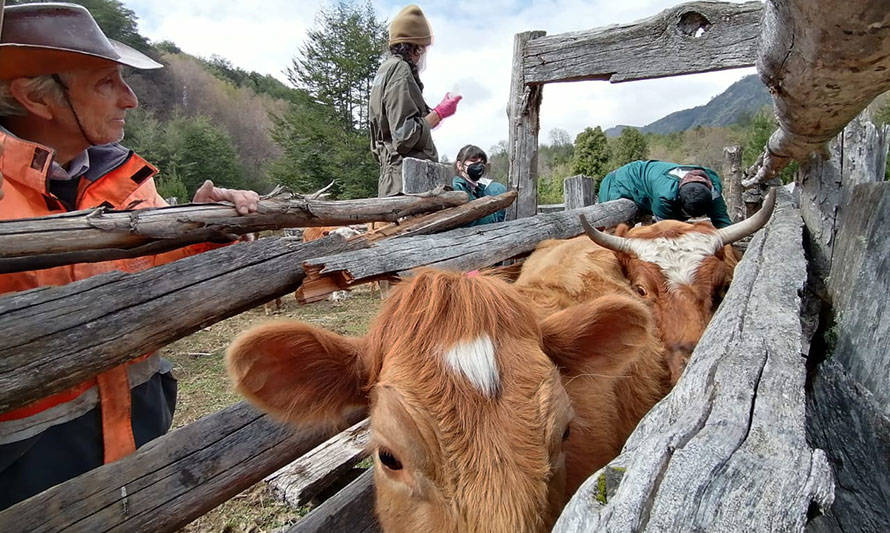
471,54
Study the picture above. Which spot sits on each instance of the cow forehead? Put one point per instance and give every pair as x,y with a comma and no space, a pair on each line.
475,361
678,258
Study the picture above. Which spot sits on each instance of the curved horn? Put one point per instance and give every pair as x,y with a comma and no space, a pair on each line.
740,230
612,242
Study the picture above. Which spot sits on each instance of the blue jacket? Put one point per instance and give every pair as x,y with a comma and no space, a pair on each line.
651,186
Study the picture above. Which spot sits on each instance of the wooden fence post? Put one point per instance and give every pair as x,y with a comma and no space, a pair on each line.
578,191
420,176
523,114
732,182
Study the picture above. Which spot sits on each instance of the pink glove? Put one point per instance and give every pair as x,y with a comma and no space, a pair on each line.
447,106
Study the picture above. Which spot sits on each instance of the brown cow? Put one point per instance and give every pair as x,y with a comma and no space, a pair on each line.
682,270
471,394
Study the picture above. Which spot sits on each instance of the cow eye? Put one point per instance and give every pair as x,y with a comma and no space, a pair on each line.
640,290
566,433
388,459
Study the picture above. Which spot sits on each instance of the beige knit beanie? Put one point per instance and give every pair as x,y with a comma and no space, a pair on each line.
410,26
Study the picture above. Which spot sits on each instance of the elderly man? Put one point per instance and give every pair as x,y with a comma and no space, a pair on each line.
668,190
63,105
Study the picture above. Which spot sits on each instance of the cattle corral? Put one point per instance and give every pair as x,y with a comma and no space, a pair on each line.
754,436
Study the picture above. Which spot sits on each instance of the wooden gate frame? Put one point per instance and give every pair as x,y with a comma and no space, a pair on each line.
687,39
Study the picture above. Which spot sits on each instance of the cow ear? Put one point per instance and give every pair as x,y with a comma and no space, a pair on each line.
299,373
603,335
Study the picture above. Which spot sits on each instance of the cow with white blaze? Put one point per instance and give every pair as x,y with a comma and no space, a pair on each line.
480,410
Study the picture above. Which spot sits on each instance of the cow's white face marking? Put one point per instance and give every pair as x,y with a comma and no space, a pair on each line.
475,360
678,258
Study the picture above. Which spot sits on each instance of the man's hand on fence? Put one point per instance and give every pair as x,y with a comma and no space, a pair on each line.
245,201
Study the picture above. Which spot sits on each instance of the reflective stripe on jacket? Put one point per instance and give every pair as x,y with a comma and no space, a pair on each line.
397,117
117,179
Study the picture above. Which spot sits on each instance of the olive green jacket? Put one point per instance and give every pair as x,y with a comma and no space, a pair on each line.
398,126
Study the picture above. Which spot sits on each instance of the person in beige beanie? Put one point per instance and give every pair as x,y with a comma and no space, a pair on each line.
400,119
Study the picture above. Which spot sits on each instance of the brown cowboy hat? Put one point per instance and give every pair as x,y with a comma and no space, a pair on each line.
39,39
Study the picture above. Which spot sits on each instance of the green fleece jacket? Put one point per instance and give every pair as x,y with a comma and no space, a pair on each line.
654,189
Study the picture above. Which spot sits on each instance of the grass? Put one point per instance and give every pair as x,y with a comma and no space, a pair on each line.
204,388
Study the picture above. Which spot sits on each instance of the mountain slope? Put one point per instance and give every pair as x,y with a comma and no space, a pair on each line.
744,96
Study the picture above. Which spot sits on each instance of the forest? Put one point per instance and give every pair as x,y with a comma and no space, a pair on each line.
203,118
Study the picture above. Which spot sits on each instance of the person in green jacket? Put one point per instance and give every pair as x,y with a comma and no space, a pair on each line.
668,190
471,165
400,120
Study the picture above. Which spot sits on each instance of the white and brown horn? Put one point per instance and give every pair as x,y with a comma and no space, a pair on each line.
740,230
612,242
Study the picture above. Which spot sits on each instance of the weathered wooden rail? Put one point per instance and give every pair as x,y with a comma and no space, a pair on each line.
729,449
686,39
726,450
99,235
38,355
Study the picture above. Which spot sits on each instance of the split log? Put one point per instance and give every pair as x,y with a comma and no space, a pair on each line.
419,175
350,510
465,248
97,235
857,155
318,288
300,481
57,337
726,450
686,39
524,115
170,481
849,403
732,182
824,61
47,348
578,191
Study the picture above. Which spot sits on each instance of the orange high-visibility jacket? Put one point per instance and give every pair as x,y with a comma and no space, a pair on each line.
117,179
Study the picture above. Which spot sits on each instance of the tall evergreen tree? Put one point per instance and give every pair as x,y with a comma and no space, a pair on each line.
591,155
337,64
629,146
324,132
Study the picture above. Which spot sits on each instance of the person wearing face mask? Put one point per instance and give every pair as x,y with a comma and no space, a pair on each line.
668,190
471,166
400,120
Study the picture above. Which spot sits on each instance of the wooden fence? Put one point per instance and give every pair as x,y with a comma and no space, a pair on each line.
727,450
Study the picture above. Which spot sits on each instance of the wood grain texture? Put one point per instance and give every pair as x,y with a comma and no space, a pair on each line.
57,337
97,235
579,191
849,406
664,45
350,511
303,479
726,450
468,248
170,481
732,182
523,114
824,61
419,175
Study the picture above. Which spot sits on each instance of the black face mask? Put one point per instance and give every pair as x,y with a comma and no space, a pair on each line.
475,171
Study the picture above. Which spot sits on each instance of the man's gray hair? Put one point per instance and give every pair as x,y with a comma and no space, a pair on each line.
39,85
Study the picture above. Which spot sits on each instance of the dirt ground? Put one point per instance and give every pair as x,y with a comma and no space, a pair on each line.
204,389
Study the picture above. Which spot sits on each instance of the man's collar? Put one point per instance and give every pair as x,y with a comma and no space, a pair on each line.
76,168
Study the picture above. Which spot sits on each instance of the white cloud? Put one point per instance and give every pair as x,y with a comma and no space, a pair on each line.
472,54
